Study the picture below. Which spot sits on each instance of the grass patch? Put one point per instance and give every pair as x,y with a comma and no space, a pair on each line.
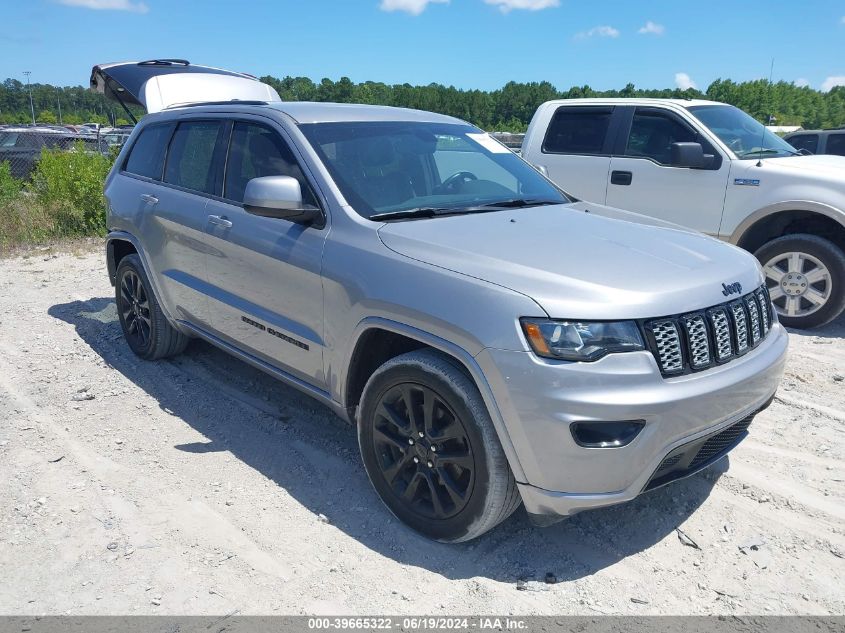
63,200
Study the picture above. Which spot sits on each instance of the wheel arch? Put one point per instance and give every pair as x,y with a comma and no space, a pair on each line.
118,246
377,340
787,218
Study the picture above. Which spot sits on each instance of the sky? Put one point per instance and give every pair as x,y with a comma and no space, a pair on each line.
466,43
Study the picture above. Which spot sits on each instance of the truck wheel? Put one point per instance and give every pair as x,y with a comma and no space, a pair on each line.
805,275
430,449
144,325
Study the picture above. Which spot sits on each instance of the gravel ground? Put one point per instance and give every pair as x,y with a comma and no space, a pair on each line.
199,485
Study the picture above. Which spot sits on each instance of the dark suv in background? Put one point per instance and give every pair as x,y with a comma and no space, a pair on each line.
818,141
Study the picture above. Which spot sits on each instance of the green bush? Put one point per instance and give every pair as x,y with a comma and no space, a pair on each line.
69,185
10,187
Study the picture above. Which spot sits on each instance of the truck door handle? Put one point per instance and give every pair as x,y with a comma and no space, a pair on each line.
621,177
216,220
149,198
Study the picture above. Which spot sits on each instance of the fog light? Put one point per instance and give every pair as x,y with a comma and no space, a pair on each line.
606,434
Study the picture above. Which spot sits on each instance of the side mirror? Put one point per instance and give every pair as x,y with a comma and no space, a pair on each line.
279,197
690,155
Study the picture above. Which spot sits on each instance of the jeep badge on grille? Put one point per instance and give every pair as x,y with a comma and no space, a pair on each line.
729,289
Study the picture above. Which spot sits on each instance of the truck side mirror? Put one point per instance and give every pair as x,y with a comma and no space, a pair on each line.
690,155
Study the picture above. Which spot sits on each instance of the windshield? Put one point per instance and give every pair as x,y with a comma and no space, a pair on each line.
745,136
391,167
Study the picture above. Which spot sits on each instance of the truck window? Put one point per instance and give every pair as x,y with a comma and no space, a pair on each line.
257,151
189,160
809,142
577,130
652,134
836,144
146,157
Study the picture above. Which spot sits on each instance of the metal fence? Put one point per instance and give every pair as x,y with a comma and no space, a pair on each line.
21,145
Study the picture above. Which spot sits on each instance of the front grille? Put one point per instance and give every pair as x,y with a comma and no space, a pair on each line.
668,346
697,341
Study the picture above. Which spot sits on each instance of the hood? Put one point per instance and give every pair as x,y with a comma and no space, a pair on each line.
824,165
582,261
162,83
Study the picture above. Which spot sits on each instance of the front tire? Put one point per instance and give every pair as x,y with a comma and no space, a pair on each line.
431,451
805,275
144,325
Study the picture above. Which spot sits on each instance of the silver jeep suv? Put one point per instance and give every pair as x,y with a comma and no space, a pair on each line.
493,340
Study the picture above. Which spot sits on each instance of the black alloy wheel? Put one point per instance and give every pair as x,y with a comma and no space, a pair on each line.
423,451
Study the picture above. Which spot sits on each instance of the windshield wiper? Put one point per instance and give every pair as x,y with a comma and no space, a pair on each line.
515,203
768,150
404,214
430,212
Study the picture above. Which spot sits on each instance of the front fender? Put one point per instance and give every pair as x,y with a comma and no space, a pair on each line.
809,206
458,353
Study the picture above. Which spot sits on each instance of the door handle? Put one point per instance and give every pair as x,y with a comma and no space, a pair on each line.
216,220
621,177
149,198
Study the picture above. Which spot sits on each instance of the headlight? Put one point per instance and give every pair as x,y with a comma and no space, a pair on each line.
581,340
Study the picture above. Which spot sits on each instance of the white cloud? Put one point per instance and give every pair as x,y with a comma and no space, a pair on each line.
831,82
801,82
843,19
506,6
108,5
598,31
684,81
651,28
414,7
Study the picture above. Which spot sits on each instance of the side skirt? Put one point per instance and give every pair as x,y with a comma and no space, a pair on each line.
306,388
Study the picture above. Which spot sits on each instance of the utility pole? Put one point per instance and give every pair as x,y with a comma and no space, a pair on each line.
28,87
59,103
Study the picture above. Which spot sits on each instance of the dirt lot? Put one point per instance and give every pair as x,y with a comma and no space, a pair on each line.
201,486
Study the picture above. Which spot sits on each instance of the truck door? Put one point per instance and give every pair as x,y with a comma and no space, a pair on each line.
642,178
575,151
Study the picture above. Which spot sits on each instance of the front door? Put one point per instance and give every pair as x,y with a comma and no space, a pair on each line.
641,178
266,293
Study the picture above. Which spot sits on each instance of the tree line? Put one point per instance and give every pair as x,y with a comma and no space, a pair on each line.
509,108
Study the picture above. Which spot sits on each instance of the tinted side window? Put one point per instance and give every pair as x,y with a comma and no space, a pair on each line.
652,134
147,155
809,142
577,130
836,144
256,151
191,155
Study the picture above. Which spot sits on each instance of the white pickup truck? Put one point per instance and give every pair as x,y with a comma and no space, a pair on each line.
714,168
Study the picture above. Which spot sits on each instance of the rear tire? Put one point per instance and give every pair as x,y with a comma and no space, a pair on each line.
805,275
144,325
431,451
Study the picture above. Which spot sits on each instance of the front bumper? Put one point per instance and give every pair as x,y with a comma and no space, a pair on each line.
539,399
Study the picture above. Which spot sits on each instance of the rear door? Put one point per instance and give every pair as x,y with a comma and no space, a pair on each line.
575,151
641,178
835,143
264,274
169,174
